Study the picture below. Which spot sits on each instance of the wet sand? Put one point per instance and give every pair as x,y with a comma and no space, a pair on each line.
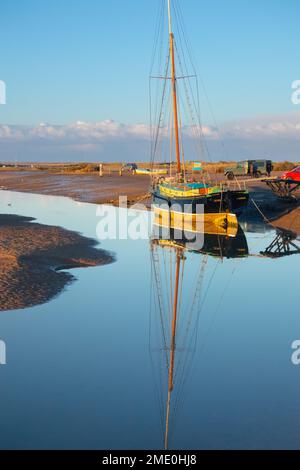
85,188
32,257
290,221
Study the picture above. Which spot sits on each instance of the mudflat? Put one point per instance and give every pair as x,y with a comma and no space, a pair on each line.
34,257
81,187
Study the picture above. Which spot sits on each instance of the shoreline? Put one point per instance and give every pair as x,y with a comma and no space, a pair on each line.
34,259
94,189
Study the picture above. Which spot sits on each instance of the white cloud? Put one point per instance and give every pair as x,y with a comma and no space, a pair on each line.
265,126
265,134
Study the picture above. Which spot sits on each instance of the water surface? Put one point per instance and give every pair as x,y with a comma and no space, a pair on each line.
87,370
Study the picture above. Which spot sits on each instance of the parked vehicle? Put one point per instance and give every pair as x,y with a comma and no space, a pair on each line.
254,168
129,167
292,175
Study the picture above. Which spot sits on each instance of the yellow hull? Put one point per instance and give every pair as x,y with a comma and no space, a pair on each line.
223,223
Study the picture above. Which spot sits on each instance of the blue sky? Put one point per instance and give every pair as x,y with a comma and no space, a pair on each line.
89,60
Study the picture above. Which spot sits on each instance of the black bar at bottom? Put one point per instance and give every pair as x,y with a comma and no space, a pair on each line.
134,459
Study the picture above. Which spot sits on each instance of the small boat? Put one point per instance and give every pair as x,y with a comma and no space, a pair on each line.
190,201
151,172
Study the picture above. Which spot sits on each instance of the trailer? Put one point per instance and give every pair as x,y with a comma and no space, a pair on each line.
283,188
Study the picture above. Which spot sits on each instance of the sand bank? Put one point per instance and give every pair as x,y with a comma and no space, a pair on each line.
32,257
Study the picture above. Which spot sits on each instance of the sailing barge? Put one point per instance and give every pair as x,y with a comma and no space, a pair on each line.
188,202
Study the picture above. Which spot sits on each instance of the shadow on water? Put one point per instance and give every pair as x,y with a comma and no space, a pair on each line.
32,257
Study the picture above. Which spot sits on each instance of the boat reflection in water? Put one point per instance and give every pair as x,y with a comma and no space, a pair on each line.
177,298
176,303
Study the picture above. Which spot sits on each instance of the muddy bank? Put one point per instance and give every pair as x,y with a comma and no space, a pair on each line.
290,221
84,188
32,257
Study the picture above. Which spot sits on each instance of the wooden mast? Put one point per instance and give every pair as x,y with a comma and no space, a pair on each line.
173,344
174,91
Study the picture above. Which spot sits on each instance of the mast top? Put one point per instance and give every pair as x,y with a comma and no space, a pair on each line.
170,17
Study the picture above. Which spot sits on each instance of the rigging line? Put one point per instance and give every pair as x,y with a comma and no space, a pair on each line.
181,25
208,286
198,129
181,286
161,110
150,304
155,109
187,366
162,154
158,85
189,316
166,284
221,202
204,264
186,70
171,285
183,366
181,139
210,107
157,29
156,384
168,268
185,375
196,140
199,283
261,212
165,127
214,316
193,62
180,401
167,311
158,392
220,244
158,387
187,79
150,118
183,68
160,302
171,146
